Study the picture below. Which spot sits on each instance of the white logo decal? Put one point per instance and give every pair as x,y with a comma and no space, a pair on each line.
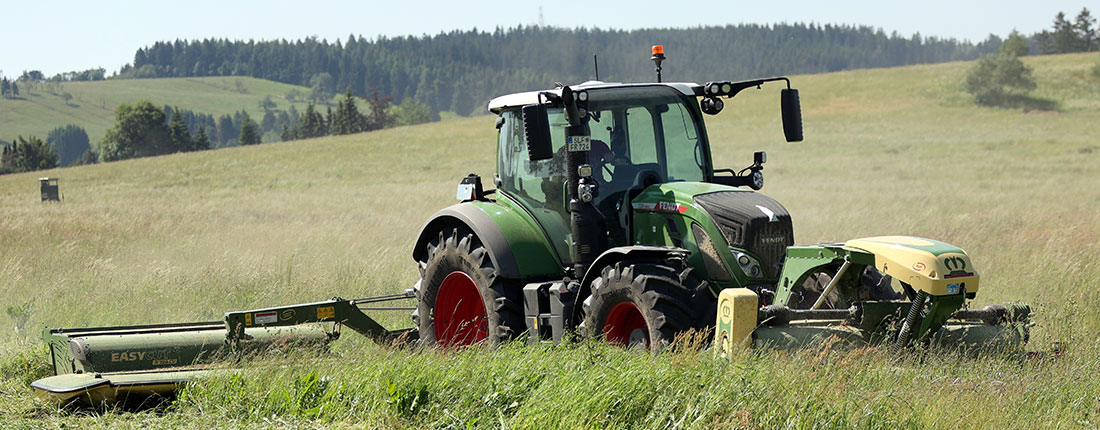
768,212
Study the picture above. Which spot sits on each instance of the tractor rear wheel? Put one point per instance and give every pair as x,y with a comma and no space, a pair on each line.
643,304
461,299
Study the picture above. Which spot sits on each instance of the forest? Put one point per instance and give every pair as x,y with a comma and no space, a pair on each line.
460,71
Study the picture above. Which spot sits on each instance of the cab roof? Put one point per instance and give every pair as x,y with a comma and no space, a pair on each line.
516,100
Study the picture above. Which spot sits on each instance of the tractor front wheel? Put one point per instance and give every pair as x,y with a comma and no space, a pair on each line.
642,305
461,300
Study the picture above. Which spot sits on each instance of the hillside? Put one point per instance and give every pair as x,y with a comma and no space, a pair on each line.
93,103
888,151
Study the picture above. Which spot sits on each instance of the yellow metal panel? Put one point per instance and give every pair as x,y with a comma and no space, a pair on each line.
736,319
935,267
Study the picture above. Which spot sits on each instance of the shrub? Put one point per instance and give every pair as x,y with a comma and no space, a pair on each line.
999,80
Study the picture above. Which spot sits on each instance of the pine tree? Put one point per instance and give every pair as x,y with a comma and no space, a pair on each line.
347,118
249,136
1065,36
312,124
1083,25
201,142
177,132
1015,45
34,154
328,120
69,143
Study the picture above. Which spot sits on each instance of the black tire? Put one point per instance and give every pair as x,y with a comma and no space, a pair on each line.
874,285
877,285
663,294
457,257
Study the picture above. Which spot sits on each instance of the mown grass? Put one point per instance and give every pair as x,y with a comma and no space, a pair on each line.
41,107
888,151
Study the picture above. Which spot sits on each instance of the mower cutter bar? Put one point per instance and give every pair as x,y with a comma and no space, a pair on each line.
111,363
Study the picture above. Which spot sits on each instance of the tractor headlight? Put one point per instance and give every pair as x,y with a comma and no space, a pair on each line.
749,265
727,88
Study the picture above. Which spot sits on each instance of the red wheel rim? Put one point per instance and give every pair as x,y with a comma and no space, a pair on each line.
460,317
623,321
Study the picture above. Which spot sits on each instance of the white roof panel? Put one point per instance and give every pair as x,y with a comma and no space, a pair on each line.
531,97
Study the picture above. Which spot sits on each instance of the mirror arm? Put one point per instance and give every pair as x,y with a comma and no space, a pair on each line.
738,86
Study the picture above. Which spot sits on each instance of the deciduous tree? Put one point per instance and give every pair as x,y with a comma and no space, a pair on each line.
139,131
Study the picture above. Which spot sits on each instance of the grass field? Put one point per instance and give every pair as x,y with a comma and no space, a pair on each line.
41,107
888,151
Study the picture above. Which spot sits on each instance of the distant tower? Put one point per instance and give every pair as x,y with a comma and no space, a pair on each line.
542,20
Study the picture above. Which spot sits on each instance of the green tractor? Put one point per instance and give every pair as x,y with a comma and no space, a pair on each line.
610,220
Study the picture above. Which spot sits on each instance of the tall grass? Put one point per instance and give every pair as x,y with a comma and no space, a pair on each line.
888,151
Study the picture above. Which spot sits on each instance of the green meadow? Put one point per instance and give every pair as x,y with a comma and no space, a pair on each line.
888,151
41,107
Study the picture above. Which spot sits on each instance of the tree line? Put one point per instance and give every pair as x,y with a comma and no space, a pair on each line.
460,71
1065,37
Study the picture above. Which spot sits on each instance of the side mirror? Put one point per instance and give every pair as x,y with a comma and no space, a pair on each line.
536,129
792,114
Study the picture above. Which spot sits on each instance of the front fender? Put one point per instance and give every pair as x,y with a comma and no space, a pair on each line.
617,254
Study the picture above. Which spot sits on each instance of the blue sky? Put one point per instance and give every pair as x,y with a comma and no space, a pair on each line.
67,35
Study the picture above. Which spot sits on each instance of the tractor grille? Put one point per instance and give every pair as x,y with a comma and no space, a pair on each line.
753,222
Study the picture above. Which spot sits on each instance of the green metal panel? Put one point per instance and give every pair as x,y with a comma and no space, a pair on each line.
533,251
802,261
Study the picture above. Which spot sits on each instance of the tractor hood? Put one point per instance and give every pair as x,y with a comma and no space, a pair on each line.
730,217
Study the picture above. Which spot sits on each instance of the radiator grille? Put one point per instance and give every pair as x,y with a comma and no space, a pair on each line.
752,222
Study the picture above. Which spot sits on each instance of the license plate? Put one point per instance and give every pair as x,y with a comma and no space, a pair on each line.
579,143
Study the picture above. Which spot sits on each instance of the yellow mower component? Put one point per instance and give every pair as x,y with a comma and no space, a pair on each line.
736,318
934,267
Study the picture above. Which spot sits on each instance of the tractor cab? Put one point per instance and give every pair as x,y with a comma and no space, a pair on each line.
641,135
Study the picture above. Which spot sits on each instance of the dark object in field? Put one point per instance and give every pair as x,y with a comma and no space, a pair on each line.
49,190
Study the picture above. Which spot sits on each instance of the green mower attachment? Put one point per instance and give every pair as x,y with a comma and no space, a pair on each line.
108,364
